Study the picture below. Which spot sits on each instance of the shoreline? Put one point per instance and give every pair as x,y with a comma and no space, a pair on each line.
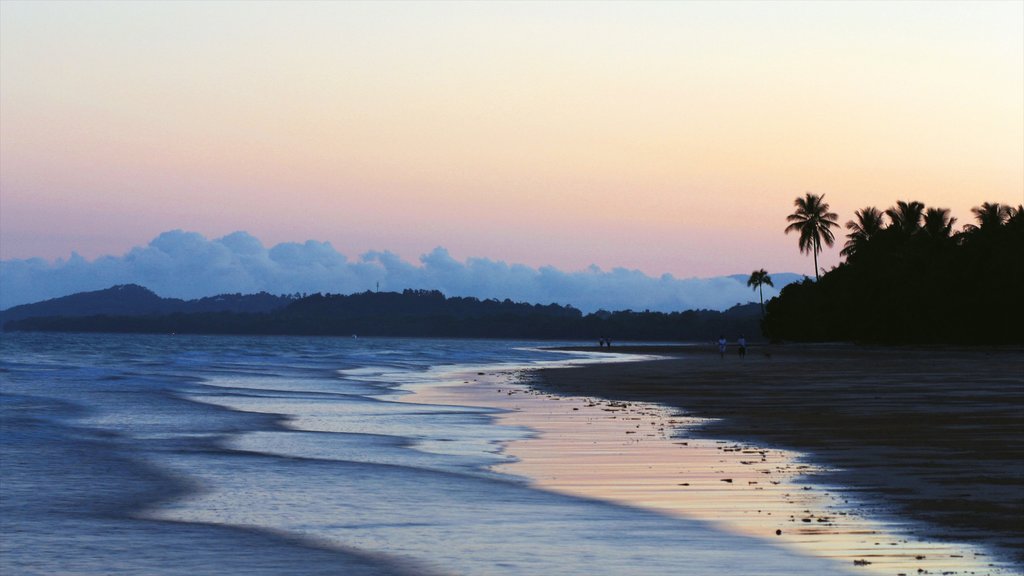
930,434
604,452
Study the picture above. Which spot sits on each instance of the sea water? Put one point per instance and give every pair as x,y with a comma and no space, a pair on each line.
172,454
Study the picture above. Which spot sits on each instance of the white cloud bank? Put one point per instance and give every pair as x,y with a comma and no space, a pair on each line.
187,265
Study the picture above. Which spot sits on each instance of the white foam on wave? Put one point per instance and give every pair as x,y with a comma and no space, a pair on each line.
417,482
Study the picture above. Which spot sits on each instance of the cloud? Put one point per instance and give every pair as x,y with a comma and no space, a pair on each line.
187,265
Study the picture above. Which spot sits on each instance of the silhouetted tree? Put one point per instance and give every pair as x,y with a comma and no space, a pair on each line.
914,280
814,223
1016,219
906,217
991,215
869,222
759,278
938,224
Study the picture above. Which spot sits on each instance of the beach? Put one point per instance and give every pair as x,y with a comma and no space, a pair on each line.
930,435
186,454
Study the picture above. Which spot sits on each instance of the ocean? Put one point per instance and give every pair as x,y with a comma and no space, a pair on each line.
174,454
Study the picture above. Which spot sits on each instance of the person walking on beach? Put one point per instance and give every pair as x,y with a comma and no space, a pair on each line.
721,345
742,342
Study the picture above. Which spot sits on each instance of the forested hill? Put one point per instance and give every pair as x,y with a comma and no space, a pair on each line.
418,313
135,300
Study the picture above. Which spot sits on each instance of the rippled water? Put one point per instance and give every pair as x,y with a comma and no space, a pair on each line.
211,455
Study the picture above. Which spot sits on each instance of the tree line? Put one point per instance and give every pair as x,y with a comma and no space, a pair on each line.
909,276
420,313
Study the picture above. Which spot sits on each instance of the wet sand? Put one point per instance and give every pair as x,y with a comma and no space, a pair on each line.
931,435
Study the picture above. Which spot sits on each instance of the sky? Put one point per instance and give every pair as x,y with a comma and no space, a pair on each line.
660,137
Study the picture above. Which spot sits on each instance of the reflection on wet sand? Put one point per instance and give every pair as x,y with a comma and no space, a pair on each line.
640,454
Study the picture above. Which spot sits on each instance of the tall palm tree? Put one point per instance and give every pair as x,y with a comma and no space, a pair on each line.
759,278
938,223
814,223
906,216
869,222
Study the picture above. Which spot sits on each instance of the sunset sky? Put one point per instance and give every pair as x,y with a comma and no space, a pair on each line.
665,137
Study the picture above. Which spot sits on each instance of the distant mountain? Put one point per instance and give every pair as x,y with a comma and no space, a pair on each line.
414,313
135,300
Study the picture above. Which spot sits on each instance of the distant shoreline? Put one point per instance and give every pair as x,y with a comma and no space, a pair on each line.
130,309
934,432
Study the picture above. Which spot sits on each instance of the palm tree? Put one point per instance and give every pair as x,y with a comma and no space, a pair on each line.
938,223
868,223
906,216
814,222
992,215
1016,219
759,278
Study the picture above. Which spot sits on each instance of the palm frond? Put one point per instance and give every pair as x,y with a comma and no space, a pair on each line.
992,214
938,223
869,222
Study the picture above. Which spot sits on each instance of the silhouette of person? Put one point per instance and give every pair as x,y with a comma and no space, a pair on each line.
721,346
742,346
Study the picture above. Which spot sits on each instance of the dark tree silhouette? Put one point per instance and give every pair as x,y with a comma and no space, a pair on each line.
869,222
758,278
906,216
938,224
991,215
914,281
411,313
1016,220
814,223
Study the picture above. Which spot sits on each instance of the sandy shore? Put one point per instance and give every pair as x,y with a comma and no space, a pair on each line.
935,435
